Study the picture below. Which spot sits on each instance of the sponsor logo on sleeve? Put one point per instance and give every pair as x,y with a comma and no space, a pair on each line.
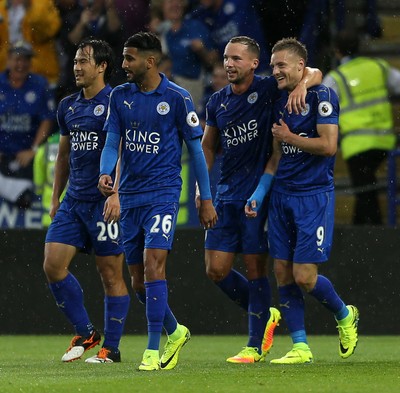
325,108
192,119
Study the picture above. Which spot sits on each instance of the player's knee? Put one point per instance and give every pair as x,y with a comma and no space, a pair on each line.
110,277
305,282
216,274
53,271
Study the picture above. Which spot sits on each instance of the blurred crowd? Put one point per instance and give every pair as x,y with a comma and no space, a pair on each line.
38,42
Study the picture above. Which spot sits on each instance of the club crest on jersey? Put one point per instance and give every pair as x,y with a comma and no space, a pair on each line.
192,119
252,98
30,97
98,110
163,108
325,108
306,110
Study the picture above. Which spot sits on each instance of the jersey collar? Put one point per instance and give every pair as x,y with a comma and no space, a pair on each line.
100,95
251,88
161,88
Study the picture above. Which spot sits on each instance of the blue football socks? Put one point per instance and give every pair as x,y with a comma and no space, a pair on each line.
156,302
236,287
324,292
259,304
69,299
115,312
170,323
292,307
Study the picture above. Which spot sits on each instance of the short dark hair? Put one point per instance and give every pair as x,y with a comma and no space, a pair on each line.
252,44
144,41
102,52
293,45
347,43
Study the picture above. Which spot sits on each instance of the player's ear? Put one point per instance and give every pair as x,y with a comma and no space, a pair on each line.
301,65
102,66
256,62
151,62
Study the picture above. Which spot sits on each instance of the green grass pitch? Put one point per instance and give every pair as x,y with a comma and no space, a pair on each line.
32,364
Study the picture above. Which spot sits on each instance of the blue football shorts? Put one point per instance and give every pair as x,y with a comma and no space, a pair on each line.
236,233
151,226
300,228
81,224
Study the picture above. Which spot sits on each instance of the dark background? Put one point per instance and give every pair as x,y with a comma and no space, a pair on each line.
364,267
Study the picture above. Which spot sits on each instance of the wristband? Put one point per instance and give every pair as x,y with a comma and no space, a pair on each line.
262,189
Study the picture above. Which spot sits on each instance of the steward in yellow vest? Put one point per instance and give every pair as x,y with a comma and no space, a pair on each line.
364,86
366,118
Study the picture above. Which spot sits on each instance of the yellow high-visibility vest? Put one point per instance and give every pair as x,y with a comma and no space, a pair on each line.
366,118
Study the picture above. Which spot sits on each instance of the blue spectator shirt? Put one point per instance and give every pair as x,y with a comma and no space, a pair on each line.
244,124
298,172
152,126
22,110
234,18
83,121
185,62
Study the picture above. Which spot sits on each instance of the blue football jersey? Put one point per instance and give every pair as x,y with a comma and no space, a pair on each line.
152,126
22,110
83,121
298,172
244,124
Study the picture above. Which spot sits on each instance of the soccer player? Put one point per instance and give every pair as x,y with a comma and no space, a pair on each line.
238,122
301,206
85,219
151,116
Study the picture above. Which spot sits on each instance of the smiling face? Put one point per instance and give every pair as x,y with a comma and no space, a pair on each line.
19,65
85,69
239,63
287,68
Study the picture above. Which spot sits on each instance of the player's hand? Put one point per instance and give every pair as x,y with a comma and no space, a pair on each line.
250,209
197,45
281,131
197,197
207,215
54,205
256,200
105,185
297,99
112,211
